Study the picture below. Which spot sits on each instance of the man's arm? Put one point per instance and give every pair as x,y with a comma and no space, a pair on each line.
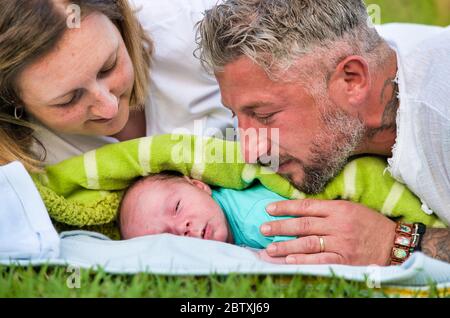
436,243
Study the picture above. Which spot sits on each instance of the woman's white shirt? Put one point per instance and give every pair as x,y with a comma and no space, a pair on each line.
183,95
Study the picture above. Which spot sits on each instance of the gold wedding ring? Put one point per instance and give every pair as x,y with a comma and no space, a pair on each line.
322,244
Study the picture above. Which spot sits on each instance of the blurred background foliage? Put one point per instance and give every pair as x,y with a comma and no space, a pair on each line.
435,12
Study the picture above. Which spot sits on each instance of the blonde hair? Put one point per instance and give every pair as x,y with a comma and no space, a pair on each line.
31,29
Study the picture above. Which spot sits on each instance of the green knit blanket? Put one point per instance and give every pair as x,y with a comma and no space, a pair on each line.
86,190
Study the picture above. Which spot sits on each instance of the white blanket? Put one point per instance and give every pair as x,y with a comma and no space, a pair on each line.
27,236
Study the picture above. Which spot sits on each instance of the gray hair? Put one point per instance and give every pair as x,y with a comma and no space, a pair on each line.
276,33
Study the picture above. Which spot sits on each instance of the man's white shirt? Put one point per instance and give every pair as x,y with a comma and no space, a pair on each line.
421,154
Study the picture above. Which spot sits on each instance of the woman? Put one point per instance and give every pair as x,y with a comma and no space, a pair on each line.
64,91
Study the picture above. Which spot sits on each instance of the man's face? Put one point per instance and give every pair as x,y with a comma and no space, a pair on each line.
316,137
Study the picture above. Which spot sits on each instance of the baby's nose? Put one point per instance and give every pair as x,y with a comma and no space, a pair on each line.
185,228
191,231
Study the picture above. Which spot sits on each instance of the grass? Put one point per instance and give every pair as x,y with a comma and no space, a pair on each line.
434,12
52,282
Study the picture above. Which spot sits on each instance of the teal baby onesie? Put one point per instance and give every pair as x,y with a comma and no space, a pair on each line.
245,211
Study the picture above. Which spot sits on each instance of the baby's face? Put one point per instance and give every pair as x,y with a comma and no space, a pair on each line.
177,206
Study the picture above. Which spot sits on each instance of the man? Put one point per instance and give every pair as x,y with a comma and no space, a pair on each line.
321,74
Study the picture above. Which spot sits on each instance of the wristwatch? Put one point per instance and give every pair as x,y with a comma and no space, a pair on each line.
408,239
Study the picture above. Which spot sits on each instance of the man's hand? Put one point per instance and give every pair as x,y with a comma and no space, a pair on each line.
267,258
352,233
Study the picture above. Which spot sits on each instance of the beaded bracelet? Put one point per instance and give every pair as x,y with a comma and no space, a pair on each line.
408,239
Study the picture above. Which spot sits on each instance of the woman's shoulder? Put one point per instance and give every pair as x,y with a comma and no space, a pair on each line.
53,147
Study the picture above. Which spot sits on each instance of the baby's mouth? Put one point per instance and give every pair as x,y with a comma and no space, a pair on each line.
203,232
206,232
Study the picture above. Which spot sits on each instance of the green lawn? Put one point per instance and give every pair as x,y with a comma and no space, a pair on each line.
52,282
435,12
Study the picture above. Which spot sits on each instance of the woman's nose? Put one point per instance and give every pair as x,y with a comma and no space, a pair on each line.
106,104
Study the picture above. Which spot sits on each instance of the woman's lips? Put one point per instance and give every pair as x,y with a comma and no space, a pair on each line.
101,121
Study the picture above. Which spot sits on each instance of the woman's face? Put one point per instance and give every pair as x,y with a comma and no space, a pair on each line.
84,85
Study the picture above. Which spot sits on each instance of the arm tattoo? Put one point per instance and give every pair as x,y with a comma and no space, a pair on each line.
436,243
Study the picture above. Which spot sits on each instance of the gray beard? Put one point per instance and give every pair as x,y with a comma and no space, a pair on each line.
330,151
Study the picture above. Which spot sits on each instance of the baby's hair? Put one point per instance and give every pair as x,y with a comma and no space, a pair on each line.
162,176
165,175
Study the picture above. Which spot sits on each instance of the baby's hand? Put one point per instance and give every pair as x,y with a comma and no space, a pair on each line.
275,260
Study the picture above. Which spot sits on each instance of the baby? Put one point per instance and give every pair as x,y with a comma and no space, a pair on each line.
169,203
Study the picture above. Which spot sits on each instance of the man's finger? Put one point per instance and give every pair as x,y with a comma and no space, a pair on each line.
267,258
321,258
306,207
304,245
302,226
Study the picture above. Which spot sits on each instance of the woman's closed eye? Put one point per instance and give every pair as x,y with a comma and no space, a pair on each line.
75,98
79,93
108,69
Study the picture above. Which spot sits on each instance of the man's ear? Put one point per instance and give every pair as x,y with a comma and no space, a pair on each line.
350,83
199,184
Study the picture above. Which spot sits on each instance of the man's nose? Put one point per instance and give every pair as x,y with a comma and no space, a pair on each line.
106,104
254,141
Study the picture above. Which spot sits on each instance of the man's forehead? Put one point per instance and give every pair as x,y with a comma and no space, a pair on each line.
255,98
245,84
241,70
